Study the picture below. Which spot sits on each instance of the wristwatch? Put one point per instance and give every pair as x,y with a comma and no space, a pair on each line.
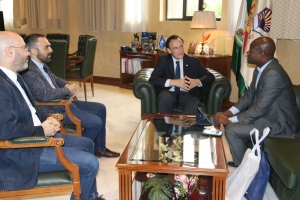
229,120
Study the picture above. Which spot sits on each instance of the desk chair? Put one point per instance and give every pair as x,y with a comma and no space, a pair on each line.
60,36
83,71
58,58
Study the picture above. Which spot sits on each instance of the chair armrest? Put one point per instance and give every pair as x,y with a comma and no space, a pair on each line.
30,142
214,94
66,104
40,141
73,61
72,54
145,91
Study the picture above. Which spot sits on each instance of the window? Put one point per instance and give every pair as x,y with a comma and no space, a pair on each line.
184,9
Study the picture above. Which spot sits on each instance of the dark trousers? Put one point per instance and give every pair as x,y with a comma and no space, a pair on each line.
93,119
187,103
237,134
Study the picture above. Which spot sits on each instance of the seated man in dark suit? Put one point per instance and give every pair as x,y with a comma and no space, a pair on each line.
20,118
45,86
178,79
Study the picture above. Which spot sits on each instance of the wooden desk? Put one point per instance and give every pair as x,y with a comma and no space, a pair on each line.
142,155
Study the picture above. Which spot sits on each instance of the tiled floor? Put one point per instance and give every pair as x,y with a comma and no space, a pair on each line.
123,116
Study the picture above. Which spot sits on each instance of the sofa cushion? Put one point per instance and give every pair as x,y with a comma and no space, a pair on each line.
283,155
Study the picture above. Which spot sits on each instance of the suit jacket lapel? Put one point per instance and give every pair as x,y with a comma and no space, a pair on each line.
185,65
27,91
171,66
50,75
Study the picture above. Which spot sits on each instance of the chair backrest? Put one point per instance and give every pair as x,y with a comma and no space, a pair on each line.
58,59
23,35
87,65
81,43
60,36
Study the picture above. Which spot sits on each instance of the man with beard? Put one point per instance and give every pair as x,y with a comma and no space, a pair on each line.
45,86
19,117
269,102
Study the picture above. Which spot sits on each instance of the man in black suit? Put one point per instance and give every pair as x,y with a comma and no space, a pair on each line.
178,79
19,117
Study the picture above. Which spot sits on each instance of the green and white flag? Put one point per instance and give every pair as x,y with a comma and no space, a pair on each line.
237,45
258,25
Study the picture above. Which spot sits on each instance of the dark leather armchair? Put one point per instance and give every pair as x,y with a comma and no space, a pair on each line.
58,59
60,36
77,56
83,71
62,181
213,95
284,158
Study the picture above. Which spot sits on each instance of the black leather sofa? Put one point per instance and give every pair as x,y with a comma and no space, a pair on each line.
213,95
283,155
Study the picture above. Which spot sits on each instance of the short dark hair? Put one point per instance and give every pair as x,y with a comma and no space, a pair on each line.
172,37
31,39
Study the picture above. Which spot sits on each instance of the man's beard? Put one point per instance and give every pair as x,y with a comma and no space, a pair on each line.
44,59
20,64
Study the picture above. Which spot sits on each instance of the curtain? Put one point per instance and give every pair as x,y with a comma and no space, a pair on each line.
285,19
112,15
41,14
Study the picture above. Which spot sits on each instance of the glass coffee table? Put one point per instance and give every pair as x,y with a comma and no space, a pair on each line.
172,144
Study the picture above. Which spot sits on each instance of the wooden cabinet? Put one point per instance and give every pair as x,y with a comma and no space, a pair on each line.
127,77
221,64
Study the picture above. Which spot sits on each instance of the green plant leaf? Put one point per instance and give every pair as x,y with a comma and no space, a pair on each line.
158,190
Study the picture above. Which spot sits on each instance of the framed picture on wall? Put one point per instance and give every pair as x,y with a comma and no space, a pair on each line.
148,41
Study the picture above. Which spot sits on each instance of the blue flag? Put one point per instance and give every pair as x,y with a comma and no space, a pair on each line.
162,42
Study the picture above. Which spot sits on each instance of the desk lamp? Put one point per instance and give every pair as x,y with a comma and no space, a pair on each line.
203,20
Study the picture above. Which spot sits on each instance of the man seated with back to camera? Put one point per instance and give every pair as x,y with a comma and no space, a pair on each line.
178,79
45,86
269,102
21,118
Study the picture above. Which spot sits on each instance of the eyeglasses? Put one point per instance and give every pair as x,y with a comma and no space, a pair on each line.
25,48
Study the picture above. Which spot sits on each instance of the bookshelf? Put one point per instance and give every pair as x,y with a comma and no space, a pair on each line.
130,62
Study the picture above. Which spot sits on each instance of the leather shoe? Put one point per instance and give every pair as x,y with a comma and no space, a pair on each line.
108,154
100,197
231,164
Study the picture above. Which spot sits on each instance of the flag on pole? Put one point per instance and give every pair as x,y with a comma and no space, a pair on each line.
162,42
237,45
258,24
